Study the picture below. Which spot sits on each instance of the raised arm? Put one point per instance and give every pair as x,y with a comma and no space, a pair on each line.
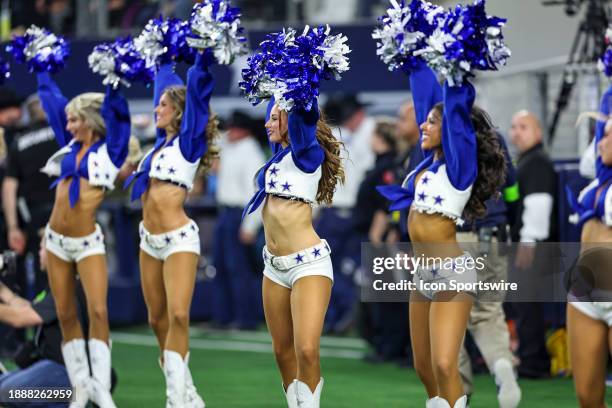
458,136
600,129
192,136
116,115
164,77
426,93
54,103
305,149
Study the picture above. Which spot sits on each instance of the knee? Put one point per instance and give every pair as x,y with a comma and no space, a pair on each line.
179,317
446,367
67,316
308,354
158,321
283,352
423,368
98,313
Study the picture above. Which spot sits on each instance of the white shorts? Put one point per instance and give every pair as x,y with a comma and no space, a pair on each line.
596,310
71,249
286,270
161,246
443,276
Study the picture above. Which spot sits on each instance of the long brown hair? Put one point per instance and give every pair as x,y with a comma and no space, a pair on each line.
332,170
491,163
177,95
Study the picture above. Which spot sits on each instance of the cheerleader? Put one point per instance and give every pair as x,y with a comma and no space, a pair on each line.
93,131
590,311
298,274
463,166
169,239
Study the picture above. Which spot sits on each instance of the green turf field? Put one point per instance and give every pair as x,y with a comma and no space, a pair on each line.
238,370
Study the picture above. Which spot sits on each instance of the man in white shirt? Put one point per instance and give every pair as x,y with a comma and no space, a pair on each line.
236,300
335,224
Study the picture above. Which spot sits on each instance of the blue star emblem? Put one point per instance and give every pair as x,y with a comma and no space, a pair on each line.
162,155
158,167
167,239
272,184
425,179
299,258
86,243
422,196
193,227
107,176
265,256
183,234
438,200
273,171
97,238
286,186
95,164
316,252
171,170
50,236
96,175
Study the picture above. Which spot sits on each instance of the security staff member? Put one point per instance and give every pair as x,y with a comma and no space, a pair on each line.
26,198
237,282
487,323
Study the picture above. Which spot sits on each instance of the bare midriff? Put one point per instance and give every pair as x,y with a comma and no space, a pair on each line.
80,220
428,230
163,207
594,231
288,225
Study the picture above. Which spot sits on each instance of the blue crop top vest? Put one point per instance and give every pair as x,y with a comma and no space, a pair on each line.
177,160
446,184
595,200
293,172
101,163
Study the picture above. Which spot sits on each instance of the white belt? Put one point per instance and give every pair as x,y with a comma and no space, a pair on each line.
286,262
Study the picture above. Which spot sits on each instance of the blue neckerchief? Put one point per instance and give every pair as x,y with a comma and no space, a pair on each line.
259,196
591,206
402,197
141,177
69,169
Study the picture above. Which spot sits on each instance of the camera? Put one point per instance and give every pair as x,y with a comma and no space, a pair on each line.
8,263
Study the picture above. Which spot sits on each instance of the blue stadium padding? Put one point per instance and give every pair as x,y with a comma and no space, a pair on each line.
568,175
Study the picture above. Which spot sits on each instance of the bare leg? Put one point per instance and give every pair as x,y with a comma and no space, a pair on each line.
309,301
277,309
448,321
153,289
62,281
421,347
179,278
589,357
94,278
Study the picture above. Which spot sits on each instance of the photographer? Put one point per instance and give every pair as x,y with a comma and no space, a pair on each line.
40,360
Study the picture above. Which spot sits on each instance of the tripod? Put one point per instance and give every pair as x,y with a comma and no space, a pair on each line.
588,46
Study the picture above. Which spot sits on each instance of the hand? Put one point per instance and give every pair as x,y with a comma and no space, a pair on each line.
393,236
524,255
247,237
17,240
18,301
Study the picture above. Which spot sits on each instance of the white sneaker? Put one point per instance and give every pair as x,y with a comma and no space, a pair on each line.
307,398
508,390
77,366
174,371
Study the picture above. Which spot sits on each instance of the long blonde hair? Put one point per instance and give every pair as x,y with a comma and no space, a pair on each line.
87,107
177,95
331,168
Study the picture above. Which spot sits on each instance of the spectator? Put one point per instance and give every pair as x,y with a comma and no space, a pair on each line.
536,222
26,198
10,113
336,223
238,279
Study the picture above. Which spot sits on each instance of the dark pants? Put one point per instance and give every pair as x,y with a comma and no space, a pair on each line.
44,373
336,226
531,331
237,282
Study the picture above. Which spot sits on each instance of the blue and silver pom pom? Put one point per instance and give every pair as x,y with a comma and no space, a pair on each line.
120,63
605,62
164,40
403,31
466,40
291,67
40,50
216,25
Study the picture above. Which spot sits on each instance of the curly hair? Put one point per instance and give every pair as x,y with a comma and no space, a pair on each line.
332,170
177,95
491,163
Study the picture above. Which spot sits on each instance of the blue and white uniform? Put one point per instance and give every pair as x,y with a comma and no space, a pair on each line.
99,166
595,202
293,173
445,185
177,160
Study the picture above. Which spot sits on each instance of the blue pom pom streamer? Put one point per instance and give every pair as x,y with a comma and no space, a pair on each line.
120,63
215,24
291,67
605,62
40,50
164,40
